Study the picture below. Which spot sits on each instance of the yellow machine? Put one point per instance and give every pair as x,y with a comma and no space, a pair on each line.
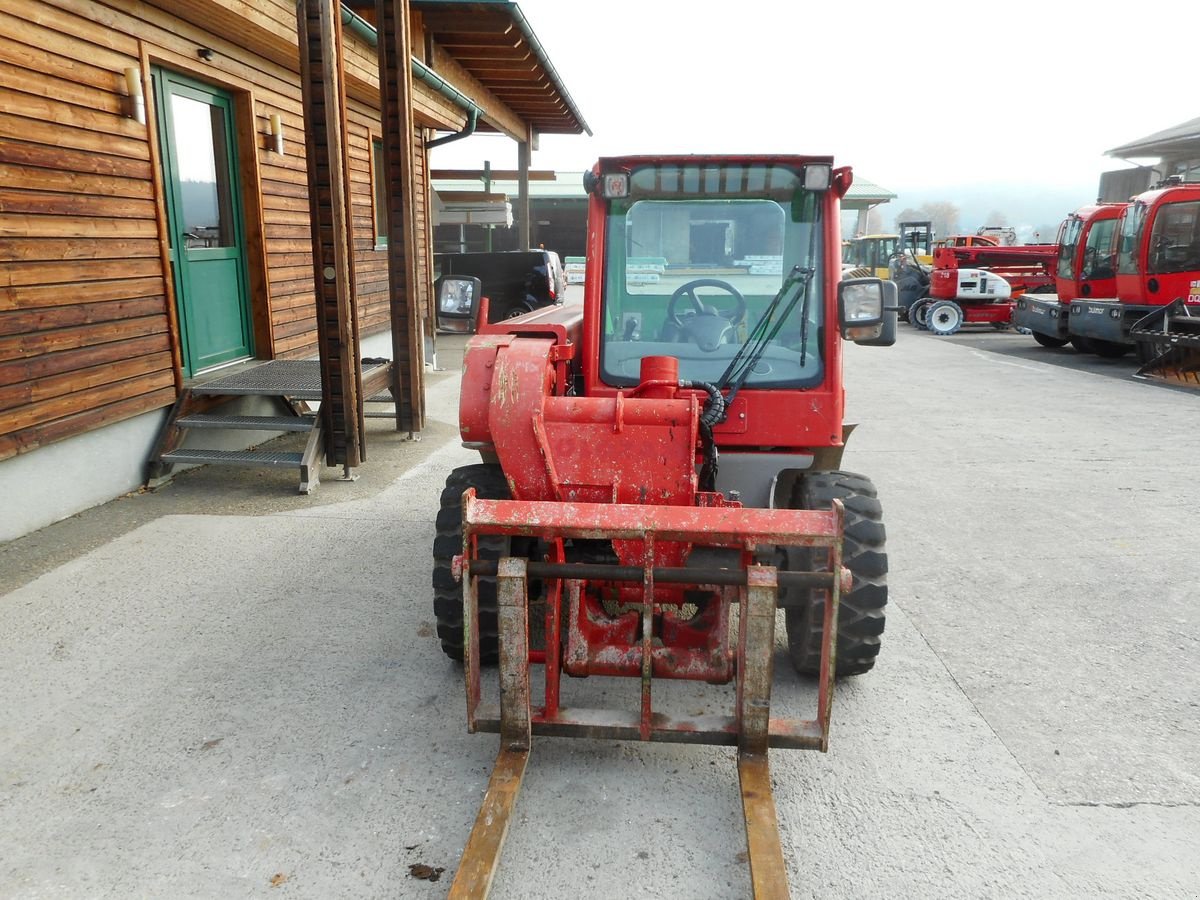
872,252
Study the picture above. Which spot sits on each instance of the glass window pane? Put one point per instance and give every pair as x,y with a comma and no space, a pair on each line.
202,150
1175,239
377,174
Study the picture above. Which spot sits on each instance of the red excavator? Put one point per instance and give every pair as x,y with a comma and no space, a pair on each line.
660,472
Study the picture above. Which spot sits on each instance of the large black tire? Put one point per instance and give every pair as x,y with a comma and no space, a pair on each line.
1047,341
918,313
1083,344
1110,349
864,553
489,484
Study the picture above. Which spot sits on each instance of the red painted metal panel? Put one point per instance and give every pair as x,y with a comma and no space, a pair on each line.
729,526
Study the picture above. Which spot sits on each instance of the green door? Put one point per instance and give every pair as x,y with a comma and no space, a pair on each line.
208,253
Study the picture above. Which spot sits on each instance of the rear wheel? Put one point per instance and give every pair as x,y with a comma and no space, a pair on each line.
918,313
1110,349
1083,344
864,553
1052,342
944,318
489,484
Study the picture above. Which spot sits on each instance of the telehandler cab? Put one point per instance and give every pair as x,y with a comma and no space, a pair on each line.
660,473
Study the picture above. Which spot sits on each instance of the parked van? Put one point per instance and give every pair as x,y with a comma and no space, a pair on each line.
514,281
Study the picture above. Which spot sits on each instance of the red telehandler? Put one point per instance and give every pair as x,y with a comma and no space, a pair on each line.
1086,267
660,472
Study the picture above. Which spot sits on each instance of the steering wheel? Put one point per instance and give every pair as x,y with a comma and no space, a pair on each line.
705,325
734,316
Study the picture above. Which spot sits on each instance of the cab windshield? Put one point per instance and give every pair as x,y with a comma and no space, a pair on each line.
1098,261
696,254
1131,229
1066,247
1175,239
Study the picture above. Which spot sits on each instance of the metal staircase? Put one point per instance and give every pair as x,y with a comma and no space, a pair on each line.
293,383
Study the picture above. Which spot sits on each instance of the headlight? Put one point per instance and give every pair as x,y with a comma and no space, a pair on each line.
862,301
456,296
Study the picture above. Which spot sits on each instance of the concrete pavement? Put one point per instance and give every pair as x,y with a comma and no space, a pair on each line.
221,703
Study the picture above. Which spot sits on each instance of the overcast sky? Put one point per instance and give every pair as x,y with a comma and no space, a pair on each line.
916,97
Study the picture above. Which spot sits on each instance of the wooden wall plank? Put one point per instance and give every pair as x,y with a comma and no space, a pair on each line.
25,225
62,274
49,365
81,379
92,417
43,295
39,320
83,162
74,71
45,249
35,178
55,134
45,109
88,205
22,346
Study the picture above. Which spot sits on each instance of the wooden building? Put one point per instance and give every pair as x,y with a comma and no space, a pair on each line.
154,209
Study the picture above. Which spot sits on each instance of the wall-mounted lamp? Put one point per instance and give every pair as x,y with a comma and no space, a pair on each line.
133,87
277,132
205,53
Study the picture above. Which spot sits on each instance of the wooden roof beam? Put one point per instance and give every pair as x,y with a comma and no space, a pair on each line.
455,23
496,113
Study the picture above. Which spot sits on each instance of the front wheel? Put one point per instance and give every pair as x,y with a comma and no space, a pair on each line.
918,314
864,553
944,318
489,484
1052,342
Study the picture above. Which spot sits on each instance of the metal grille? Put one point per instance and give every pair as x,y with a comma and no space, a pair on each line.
299,379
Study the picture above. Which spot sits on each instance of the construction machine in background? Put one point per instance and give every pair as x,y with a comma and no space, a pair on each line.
869,254
916,241
1158,262
660,471
1004,235
966,240
976,285
1085,267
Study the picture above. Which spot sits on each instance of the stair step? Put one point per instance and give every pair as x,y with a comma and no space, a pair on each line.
254,458
251,423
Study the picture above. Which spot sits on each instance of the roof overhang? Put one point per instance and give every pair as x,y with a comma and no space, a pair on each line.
1180,140
494,43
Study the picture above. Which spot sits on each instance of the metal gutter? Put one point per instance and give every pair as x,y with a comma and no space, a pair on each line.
468,130
422,72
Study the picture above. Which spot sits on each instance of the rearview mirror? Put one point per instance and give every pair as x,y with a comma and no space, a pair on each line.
458,303
867,311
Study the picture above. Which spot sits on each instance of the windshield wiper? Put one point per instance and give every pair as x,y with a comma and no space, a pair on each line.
716,406
766,329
